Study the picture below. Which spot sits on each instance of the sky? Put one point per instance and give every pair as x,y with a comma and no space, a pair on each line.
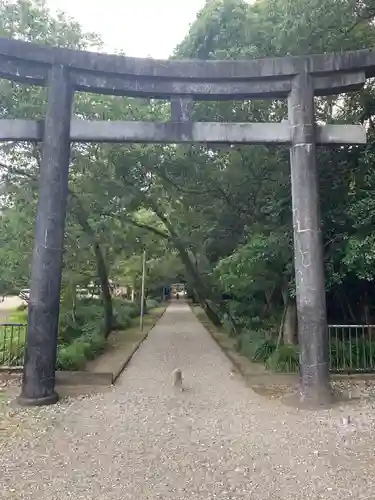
141,28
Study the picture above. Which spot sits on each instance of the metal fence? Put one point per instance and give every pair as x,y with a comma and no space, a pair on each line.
352,348
12,343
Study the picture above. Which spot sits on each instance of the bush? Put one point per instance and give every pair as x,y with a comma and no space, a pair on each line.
124,312
71,357
285,359
123,321
81,350
264,350
258,349
151,303
248,344
88,318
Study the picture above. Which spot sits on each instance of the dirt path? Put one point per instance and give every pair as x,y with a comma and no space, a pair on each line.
215,440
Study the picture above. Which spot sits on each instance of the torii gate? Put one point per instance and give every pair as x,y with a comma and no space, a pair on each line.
297,79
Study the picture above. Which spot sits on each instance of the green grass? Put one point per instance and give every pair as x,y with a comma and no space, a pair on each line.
18,316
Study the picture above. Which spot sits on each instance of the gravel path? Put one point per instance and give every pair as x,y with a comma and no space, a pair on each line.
216,440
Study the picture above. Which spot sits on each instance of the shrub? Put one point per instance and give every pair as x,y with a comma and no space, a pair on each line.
123,321
82,349
151,303
97,345
124,311
88,318
248,342
71,357
285,359
69,332
264,350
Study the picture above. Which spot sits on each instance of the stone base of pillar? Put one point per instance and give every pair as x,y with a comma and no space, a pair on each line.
317,400
45,401
315,387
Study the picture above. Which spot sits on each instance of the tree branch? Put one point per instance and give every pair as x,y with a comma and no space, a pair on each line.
152,229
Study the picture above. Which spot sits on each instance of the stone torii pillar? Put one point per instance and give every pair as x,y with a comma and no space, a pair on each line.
38,384
308,245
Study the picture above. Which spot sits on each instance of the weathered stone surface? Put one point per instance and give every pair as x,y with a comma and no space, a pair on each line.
361,60
336,83
114,74
21,130
340,134
38,386
19,70
308,246
207,132
219,89
181,109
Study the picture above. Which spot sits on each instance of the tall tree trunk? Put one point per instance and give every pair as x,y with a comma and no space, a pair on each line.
289,317
74,302
350,310
200,288
281,327
367,311
290,323
82,219
105,290
202,293
268,302
366,308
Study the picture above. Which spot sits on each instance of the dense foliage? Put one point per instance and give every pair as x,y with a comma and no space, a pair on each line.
219,218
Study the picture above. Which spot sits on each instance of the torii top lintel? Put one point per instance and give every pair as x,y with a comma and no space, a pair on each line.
202,80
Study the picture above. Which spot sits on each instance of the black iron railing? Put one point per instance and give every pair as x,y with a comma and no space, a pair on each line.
352,348
12,344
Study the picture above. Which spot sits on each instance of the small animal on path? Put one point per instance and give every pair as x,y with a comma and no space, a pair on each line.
177,379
